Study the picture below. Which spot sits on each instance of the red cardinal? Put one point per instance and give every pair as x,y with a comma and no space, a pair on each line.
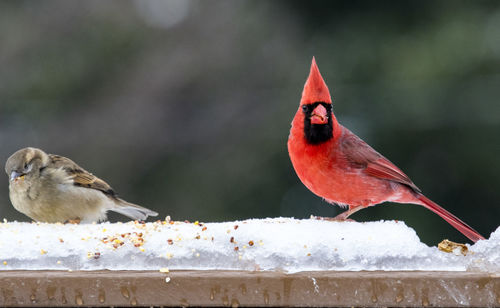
338,166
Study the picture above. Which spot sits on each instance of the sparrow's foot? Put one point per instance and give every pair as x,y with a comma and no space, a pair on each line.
75,221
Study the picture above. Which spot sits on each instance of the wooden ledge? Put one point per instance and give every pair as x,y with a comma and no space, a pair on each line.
239,288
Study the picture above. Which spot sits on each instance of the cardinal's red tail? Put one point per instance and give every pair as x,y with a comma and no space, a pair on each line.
453,220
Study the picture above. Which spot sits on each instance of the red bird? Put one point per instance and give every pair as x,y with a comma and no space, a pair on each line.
338,166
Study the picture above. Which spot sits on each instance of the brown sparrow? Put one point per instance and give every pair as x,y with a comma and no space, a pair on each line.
52,188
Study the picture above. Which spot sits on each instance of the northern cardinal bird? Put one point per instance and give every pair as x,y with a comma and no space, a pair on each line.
338,166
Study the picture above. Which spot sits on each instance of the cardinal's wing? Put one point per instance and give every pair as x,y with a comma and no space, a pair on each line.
360,155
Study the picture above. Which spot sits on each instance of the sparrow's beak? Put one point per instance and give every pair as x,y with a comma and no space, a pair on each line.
319,115
15,175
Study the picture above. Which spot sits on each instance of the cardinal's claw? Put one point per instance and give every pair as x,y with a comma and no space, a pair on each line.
336,218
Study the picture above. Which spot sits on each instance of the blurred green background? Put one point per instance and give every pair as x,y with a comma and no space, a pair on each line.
185,106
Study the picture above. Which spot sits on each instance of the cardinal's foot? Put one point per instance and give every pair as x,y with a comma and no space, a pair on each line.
336,218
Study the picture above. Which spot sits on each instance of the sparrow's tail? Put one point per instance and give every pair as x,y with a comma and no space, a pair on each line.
134,211
453,220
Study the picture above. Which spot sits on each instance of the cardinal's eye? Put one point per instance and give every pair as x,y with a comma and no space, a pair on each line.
304,108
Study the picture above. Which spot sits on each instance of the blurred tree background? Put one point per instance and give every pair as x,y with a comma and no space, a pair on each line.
185,106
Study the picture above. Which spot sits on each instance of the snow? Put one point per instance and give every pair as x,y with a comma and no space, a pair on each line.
279,244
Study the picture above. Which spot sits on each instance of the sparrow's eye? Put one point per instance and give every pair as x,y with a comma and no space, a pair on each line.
27,167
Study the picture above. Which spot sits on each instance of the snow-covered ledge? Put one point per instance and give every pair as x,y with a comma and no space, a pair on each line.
279,261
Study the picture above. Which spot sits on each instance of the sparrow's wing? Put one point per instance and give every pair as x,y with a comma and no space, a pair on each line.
80,176
360,155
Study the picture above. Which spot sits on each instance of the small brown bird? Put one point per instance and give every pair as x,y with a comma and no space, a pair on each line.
52,188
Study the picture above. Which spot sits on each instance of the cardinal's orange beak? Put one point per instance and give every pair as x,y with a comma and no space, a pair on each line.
319,115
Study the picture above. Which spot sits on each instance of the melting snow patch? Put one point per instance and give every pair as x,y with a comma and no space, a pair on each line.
284,244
